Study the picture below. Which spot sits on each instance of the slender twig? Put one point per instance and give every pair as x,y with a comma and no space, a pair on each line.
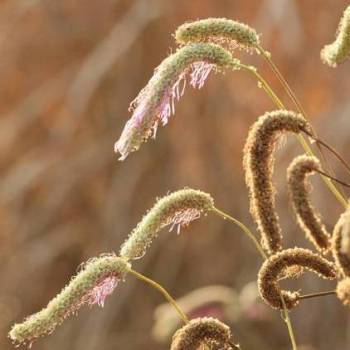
244,228
333,178
162,290
315,295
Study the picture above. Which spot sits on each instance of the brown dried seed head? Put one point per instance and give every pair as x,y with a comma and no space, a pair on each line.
343,291
272,268
341,243
200,331
258,164
307,217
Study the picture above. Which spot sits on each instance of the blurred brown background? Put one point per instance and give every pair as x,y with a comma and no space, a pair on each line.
68,72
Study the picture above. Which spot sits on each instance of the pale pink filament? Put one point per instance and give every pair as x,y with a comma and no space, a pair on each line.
183,218
100,292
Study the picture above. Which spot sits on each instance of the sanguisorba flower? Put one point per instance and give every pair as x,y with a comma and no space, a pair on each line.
337,52
96,280
177,209
155,103
218,30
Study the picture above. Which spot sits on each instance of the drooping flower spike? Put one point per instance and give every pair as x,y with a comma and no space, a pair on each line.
258,162
337,52
156,102
203,331
275,266
222,31
307,217
176,209
341,243
215,301
90,286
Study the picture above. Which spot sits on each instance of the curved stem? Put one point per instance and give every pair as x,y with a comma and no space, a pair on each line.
244,228
162,290
263,254
333,178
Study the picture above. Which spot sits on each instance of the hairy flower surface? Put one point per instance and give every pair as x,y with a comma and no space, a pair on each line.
273,267
156,102
215,301
343,291
258,164
91,285
341,243
337,52
202,331
220,31
307,217
176,209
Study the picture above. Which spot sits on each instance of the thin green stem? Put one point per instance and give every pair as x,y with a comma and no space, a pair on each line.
244,228
162,290
249,233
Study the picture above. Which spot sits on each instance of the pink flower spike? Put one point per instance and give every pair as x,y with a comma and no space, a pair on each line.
100,292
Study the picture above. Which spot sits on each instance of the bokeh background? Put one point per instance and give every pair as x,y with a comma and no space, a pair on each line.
69,70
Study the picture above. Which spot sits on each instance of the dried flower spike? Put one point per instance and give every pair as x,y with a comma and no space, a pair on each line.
215,301
258,164
176,209
91,285
341,243
343,291
337,52
276,264
307,217
202,331
220,31
156,102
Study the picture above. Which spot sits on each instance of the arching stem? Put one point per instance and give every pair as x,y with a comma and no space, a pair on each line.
162,290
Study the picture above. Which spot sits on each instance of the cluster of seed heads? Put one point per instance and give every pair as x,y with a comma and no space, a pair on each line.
206,45
275,265
203,331
337,52
258,163
307,218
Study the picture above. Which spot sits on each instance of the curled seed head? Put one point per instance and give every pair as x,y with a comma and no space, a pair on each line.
258,164
307,217
337,52
220,31
341,243
91,285
176,209
202,331
156,102
274,266
343,291
215,301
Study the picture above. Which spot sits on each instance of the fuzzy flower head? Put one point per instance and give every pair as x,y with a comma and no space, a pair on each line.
93,283
202,331
273,267
221,31
177,209
258,164
211,301
308,219
337,52
156,102
341,243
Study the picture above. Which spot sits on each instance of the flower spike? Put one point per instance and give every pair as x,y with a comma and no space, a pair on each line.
156,102
176,209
